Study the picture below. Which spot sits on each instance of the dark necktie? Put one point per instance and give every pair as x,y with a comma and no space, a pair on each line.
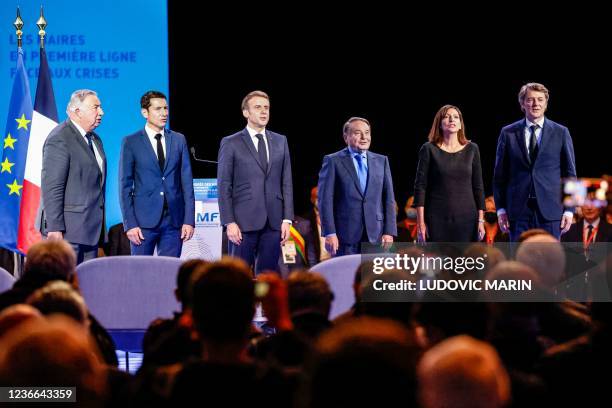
533,144
89,135
589,240
160,152
263,152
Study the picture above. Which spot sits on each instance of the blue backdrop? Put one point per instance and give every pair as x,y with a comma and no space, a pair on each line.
117,48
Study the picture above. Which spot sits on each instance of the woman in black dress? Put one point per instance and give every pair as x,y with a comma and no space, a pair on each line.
448,190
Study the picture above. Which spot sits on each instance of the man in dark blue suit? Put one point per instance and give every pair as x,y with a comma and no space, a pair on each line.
156,184
356,201
533,155
255,187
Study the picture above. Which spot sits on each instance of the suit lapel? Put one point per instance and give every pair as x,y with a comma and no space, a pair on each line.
372,169
544,137
520,138
246,138
271,149
81,141
98,142
148,147
347,161
169,139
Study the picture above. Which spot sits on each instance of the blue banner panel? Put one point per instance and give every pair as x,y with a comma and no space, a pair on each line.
117,48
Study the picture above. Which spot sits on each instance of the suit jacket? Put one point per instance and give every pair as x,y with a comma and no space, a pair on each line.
73,186
143,185
249,192
514,173
345,210
604,232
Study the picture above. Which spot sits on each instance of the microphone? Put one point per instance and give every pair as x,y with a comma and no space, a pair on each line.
193,153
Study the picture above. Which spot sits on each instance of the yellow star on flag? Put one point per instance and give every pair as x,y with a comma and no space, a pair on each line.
9,142
23,122
14,188
6,165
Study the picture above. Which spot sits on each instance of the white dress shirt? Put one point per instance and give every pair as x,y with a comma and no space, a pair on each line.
538,131
252,133
96,152
151,134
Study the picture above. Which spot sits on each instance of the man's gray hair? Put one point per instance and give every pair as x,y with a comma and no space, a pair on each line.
77,98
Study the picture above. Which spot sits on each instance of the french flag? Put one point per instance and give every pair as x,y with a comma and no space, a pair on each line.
44,119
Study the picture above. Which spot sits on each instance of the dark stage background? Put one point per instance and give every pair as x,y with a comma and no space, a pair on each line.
315,86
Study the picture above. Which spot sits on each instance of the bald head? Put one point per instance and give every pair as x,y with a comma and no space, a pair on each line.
462,372
545,255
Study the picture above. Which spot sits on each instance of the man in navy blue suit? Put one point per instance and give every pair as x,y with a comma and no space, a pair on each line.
156,184
533,156
356,201
255,187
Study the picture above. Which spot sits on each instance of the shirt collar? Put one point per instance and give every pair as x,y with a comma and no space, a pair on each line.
354,152
79,128
539,122
151,133
253,132
595,223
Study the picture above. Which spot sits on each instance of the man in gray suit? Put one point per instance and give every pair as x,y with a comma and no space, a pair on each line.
74,176
255,187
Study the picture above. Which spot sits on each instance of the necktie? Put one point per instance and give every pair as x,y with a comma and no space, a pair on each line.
362,172
261,149
589,238
533,143
89,142
160,152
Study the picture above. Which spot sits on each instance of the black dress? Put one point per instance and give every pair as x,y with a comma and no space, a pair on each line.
449,186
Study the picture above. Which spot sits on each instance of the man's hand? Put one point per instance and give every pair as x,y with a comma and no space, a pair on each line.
55,235
135,235
332,244
504,223
422,233
186,232
387,240
566,223
285,234
234,234
481,231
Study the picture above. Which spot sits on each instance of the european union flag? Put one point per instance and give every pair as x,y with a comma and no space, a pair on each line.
14,143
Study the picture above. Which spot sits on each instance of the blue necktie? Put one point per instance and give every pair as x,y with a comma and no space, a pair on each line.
362,172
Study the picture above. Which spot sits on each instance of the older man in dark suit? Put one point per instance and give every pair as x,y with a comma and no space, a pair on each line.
356,200
74,177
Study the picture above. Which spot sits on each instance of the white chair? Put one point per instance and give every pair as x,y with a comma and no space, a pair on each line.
126,293
6,280
340,274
